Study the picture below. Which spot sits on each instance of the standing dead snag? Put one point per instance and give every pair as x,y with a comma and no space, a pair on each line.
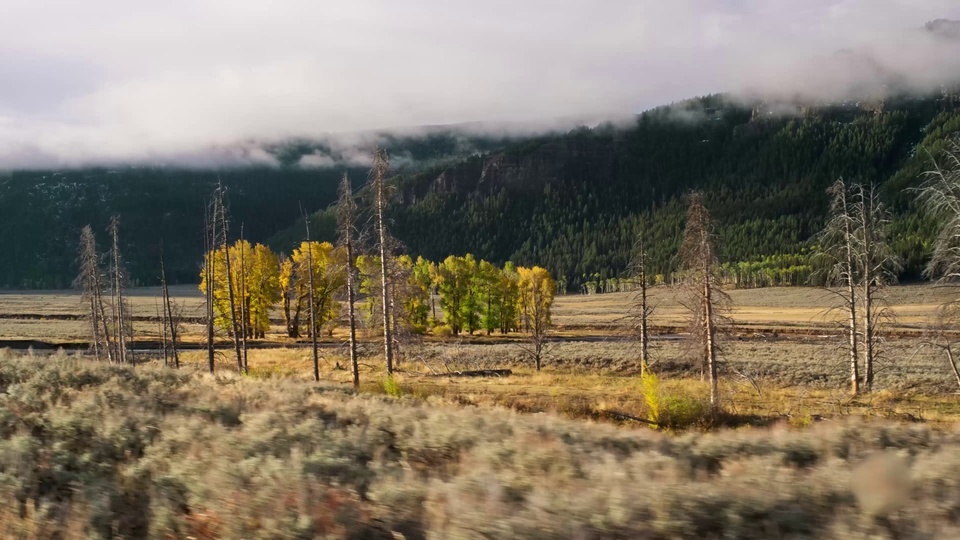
838,256
879,266
170,321
943,335
244,300
640,309
856,254
209,267
701,281
313,304
346,223
122,326
230,293
378,178
90,280
940,197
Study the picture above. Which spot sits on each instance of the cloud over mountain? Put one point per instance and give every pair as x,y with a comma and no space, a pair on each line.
114,81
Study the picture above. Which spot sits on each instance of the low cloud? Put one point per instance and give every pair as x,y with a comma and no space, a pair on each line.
192,82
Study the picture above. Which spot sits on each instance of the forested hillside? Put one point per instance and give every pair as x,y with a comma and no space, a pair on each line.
573,203
43,211
576,203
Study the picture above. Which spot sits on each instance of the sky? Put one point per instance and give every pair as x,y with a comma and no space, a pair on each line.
128,81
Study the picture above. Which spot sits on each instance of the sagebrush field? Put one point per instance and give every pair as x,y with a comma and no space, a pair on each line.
585,448
117,452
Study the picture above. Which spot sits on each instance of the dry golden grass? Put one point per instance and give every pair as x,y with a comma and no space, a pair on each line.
768,308
762,382
763,377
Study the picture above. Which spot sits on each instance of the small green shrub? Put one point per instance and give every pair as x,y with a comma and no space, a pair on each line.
650,385
391,387
418,328
677,410
442,330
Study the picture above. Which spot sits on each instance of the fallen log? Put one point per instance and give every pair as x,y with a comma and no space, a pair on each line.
624,416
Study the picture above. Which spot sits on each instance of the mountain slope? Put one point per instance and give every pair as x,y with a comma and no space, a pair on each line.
575,203
43,211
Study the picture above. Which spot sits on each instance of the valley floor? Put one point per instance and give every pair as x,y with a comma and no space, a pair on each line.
585,448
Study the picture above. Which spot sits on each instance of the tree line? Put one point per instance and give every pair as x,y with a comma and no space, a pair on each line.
244,283
457,295
574,203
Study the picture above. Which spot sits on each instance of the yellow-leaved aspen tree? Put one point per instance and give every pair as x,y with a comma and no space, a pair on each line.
537,290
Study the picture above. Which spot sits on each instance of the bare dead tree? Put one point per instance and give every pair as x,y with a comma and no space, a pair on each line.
170,321
855,253
702,283
212,236
346,223
378,178
313,304
940,197
231,297
879,266
161,330
943,334
638,316
837,256
90,281
122,325
244,295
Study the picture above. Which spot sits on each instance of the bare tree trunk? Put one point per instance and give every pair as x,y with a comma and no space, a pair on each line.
89,281
230,295
699,259
211,276
168,312
953,365
95,327
380,165
103,320
162,324
313,305
866,224
121,327
644,311
351,313
710,331
244,314
346,221
851,299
